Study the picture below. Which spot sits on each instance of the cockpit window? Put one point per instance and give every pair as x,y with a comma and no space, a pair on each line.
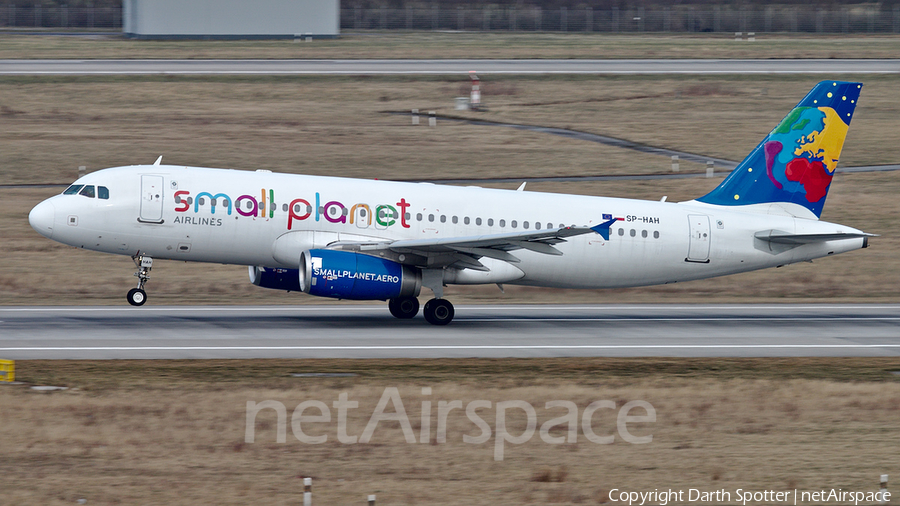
87,191
72,190
103,192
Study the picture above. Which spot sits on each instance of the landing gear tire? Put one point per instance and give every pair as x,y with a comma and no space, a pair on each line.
136,297
404,307
439,311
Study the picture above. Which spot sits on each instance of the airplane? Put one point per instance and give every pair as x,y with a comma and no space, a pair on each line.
382,240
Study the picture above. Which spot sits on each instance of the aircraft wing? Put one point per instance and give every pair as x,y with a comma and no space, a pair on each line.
465,251
778,237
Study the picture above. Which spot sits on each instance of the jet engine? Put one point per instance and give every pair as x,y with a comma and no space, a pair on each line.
349,275
278,279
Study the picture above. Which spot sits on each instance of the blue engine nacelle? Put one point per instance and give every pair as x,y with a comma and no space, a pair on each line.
348,275
278,279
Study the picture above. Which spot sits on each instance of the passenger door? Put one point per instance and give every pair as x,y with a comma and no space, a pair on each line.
699,246
151,199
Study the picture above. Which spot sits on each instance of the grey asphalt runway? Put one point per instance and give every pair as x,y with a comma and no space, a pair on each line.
446,67
354,331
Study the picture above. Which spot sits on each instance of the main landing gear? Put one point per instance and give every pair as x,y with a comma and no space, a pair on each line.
437,311
137,296
404,307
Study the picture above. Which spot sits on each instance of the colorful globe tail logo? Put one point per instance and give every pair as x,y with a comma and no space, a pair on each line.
800,155
802,152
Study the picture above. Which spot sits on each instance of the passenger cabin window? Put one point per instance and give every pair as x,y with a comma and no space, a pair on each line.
87,191
73,190
103,192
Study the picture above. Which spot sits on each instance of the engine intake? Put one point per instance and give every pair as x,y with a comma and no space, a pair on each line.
277,279
348,275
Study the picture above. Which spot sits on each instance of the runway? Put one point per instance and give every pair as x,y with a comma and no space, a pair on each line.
447,67
354,331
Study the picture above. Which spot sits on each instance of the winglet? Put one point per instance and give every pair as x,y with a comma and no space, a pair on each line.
603,228
158,160
521,186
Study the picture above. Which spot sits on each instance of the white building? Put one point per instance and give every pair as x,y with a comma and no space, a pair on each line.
230,19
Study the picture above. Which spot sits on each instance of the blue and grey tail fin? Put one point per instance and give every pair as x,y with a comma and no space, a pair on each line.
796,161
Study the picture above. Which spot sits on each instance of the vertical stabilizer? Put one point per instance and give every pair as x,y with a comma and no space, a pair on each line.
796,161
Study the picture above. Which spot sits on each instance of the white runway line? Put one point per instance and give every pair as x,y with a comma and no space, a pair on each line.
458,347
689,319
449,67
496,307
437,72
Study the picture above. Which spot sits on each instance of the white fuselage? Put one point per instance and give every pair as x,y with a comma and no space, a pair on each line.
268,219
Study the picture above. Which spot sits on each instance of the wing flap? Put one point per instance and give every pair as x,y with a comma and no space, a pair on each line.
505,241
465,251
498,254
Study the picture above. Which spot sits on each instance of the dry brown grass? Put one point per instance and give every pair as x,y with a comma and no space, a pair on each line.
172,432
463,45
315,126
337,126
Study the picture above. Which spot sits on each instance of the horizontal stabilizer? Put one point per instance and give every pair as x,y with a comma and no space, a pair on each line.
779,237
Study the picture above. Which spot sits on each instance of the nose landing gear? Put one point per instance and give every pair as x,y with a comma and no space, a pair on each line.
137,296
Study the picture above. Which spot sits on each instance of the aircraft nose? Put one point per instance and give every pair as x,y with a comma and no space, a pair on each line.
42,217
